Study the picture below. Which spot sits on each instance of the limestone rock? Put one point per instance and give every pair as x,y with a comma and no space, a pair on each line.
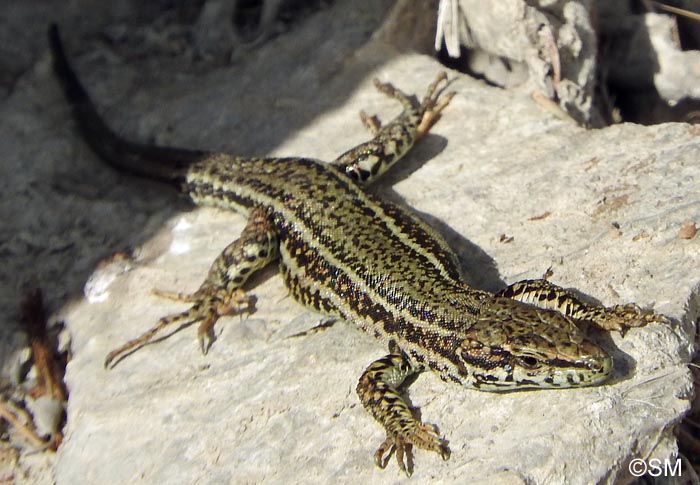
514,190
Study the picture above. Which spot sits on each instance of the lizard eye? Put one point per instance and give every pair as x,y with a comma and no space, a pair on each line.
528,362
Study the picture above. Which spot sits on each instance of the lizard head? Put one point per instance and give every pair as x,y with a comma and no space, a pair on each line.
514,345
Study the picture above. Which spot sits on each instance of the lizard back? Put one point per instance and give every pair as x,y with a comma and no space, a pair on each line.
344,251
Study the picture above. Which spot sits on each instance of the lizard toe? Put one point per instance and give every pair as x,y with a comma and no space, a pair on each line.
426,436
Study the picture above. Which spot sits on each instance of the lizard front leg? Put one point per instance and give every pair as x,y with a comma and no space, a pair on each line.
220,293
380,391
544,294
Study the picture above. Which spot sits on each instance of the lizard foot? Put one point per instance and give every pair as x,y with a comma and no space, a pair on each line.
426,437
623,317
431,106
207,306
433,103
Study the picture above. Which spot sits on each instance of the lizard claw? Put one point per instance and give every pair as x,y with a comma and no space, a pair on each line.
205,333
227,303
426,436
402,448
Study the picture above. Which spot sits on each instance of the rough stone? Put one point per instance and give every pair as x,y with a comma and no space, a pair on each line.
601,209
264,406
549,47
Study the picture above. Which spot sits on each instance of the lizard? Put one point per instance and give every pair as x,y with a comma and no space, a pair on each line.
353,256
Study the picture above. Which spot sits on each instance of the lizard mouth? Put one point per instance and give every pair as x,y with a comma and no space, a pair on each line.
586,371
602,366
598,362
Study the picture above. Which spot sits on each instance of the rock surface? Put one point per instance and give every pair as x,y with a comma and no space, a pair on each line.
514,190
550,47
646,50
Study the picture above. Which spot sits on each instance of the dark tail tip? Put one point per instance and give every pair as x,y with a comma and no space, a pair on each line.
161,163
71,85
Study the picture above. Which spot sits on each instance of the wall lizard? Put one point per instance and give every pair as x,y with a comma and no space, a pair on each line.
348,254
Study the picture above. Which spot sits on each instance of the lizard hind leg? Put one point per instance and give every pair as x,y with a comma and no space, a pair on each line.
221,293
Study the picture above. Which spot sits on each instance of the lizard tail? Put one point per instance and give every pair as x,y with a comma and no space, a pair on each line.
161,163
